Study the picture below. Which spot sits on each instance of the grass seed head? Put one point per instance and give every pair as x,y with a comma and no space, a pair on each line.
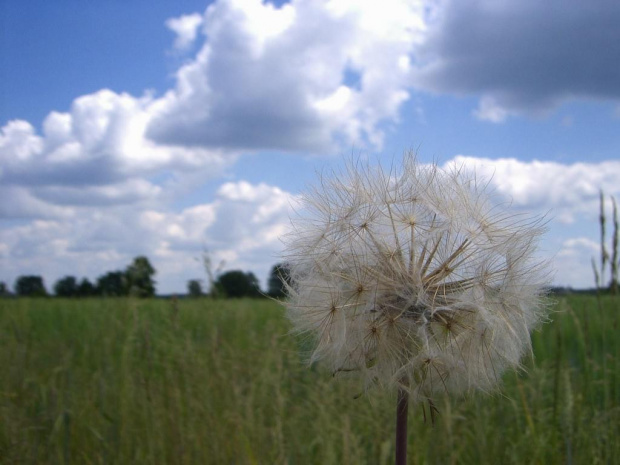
414,278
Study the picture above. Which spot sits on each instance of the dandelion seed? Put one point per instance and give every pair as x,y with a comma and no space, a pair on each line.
414,280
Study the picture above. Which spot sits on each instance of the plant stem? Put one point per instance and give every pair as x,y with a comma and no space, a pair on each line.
402,407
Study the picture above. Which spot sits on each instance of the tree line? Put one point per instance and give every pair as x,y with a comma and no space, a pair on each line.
137,280
237,283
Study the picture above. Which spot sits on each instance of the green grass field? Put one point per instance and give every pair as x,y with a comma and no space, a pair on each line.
220,382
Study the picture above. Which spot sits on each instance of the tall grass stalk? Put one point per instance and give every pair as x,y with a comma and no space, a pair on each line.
615,260
604,253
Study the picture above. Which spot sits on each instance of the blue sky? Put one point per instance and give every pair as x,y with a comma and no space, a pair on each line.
164,128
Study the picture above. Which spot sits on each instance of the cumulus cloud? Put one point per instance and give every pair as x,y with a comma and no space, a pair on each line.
573,262
241,224
19,203
186,29
266,77
94,184
567,195
522,56
91,189
489,110
272,77
95,154
127,192
573,246
565,190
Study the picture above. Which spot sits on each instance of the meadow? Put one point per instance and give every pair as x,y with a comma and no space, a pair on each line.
128,381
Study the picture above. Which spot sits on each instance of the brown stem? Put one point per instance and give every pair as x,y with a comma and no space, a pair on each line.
402,407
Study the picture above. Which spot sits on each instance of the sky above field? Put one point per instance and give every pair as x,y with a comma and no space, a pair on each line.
168,128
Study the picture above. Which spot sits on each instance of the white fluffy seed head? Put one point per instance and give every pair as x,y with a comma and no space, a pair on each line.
414,278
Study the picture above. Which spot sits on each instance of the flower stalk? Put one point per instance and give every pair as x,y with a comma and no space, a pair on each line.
402,408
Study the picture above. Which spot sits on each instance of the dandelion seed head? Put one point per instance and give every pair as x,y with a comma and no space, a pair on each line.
414,278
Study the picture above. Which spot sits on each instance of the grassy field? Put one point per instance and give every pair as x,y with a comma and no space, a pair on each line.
220,382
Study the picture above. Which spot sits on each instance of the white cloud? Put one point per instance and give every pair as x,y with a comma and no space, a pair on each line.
568,196
274,78
266,77
19,203
572,247
489,110
243,222
126,192
566,190
18,143
242,225
573,262
186,29
95,154
92,189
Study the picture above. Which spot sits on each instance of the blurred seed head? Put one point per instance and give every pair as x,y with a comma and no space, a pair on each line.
414,278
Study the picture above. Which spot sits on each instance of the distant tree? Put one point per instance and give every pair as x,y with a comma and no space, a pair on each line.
238,284
30,286
194,288
4,291
112,284
86,288
139,277
278,276
66,287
